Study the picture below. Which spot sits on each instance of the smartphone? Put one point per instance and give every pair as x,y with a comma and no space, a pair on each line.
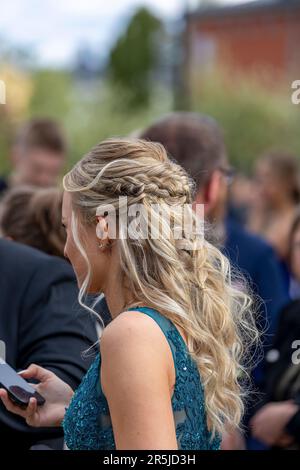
19,391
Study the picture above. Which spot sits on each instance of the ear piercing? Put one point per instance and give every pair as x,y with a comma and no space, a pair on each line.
102,245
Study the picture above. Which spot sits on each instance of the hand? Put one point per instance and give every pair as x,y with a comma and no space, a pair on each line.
56,393
285,440
269,422
233,440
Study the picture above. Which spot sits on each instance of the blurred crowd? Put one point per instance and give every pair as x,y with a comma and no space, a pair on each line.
255,218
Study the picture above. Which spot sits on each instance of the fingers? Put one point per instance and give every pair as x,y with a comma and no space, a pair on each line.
285,440
30,413
9,405
35,372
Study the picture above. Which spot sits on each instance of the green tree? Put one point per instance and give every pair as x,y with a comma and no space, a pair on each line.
134,57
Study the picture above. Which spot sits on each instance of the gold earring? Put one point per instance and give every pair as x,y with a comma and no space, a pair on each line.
102,245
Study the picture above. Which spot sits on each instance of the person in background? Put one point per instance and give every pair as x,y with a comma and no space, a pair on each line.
240,197
38,155
197,143
277,421
294,257
42,323
277,424
33,216
277,195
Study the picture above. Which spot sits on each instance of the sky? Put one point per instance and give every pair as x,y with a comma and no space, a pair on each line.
54,29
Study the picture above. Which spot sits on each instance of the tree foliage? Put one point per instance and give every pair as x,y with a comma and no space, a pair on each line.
135,56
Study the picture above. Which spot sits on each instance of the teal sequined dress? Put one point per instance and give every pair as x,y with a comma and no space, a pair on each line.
87,424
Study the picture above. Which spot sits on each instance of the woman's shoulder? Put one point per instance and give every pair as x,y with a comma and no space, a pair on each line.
131,326
144,327
135,339
133,342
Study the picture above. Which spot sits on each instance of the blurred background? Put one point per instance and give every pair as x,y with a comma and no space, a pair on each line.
78,71
109,68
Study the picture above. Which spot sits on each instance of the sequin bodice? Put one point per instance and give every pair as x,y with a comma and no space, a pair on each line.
87,423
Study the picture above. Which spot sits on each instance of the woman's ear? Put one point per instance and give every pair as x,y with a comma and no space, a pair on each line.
102,228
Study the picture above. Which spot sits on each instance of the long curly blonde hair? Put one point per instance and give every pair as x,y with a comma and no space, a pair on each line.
190,284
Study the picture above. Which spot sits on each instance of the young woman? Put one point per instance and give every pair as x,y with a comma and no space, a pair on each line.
168,373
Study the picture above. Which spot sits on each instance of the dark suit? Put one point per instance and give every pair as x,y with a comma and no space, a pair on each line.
40,322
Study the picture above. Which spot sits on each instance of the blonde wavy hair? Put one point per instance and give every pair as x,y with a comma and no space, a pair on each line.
193,287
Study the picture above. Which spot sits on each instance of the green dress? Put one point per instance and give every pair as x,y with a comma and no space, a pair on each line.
87,423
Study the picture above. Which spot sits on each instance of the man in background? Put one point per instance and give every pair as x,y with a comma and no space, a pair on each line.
38,155
41,322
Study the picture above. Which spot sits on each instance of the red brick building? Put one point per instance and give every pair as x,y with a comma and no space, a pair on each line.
263,34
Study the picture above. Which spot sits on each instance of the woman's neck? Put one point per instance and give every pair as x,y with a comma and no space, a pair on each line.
117,298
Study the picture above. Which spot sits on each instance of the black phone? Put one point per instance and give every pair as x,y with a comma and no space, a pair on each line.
18,389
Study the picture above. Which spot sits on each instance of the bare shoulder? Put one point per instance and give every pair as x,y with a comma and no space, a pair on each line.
131,325
136,382
134,335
